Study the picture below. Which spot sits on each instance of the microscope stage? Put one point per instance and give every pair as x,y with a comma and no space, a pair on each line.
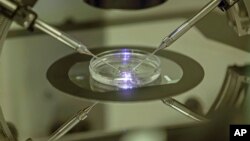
179,74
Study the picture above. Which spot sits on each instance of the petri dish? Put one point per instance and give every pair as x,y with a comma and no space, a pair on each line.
125,60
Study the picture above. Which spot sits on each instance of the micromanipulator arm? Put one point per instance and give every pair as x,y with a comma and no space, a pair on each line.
27,18
224,5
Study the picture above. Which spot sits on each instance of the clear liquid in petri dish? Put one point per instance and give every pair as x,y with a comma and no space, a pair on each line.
125,60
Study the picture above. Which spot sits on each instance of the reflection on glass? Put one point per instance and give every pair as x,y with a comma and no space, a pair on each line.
125,60
169,72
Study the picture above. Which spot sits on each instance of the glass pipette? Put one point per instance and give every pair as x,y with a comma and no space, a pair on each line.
67,39
177,33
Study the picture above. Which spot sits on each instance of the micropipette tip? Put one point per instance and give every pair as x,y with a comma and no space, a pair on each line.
141,62
84,50
88,109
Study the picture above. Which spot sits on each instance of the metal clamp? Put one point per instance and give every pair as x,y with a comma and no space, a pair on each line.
25,17
225,4
19,12
238,15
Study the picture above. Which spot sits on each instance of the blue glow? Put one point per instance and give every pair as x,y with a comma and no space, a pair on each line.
126,56
127,80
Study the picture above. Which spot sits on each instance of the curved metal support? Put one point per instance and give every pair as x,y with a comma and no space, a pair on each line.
233,91
232,94
4,28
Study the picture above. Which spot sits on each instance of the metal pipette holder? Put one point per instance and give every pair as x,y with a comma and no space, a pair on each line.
27,18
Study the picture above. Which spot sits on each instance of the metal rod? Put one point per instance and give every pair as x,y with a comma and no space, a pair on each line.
80,116
61,36
183,109
67,39
182,29
8,5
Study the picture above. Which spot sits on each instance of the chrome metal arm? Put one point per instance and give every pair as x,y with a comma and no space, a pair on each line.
80,116
61,36
27,18
182,29
183,109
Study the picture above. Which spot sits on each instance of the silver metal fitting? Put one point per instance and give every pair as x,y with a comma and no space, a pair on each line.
239,16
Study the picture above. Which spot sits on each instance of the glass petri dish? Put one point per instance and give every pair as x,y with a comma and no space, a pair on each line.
125,60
